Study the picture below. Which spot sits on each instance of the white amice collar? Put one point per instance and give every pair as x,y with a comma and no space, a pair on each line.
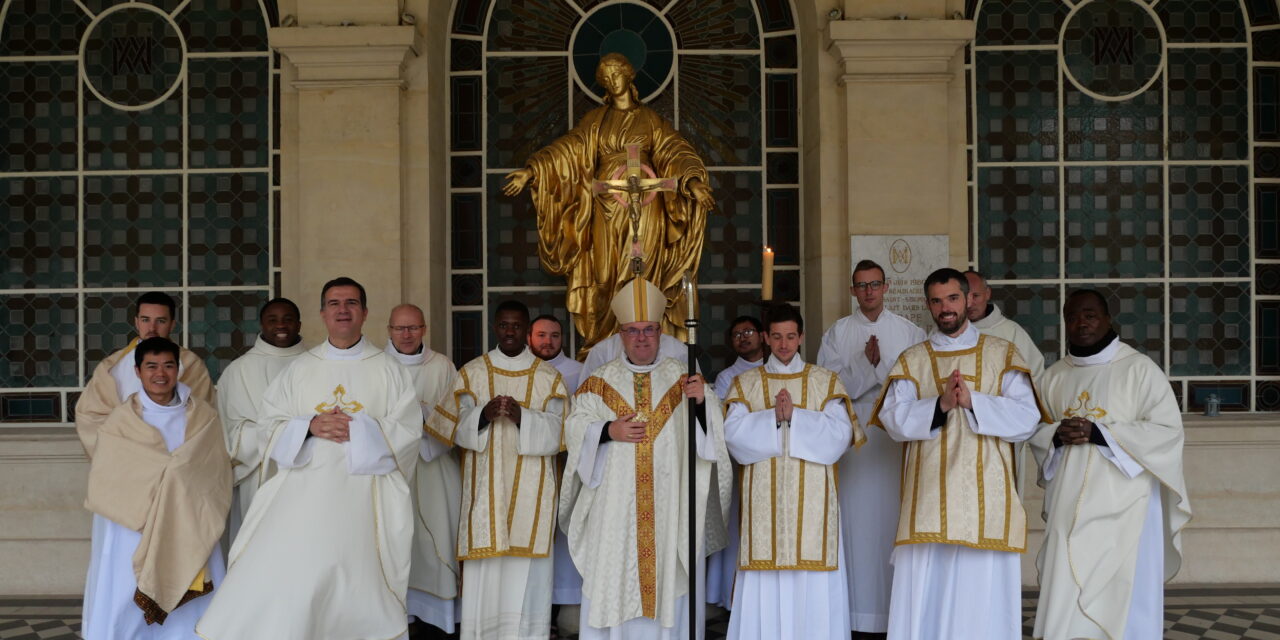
640,368
743,362
268,349
967,339
355,352
519,362
179,403
408,360
1105,356
775,365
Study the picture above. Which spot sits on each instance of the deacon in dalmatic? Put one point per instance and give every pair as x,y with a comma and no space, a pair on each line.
324,550
1115,500
437,489
861,348
115,378
159,490
507,415
240,398
788,423
626,488
959,401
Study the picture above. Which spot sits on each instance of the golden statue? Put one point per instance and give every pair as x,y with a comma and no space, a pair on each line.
603,220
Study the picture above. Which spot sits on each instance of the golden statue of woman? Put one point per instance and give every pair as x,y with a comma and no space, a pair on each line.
586,235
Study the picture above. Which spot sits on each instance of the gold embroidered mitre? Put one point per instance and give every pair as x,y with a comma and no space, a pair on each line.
639,301
958,488
790,517
508,500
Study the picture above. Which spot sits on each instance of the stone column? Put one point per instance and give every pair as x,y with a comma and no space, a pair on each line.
905,135
344,184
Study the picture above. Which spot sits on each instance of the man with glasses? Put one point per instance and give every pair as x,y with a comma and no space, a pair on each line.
986,316
506,413
746,338
861,348
437,487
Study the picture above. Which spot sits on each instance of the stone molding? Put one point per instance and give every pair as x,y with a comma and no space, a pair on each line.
347,57
898,51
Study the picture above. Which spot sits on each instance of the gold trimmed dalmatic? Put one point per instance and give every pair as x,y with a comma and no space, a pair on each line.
508,471
958,488
790,514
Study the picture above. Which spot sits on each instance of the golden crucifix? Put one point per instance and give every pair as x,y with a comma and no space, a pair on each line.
631,181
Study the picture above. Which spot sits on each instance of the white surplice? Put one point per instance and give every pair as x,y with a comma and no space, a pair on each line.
1111,511
109,610
952,591
869,478
600,503
567,581
722,566
324,552
239,405
1001,326
508,597
437,492
781,605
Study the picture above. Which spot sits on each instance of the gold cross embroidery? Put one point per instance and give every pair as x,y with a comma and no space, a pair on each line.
340,401
1081,409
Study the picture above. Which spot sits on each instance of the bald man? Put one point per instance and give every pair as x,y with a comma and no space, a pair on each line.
437,489
986,316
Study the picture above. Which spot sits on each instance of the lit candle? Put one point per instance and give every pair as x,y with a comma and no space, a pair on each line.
766,280
690,297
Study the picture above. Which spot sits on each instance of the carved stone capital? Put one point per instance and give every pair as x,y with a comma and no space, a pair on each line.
351,56
897,51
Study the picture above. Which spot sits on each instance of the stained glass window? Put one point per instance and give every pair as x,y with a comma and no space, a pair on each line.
138,155
1112,146
522,73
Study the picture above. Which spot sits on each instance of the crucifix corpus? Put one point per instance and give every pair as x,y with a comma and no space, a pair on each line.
631,181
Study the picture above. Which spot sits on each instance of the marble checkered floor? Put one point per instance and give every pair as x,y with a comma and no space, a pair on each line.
1212,613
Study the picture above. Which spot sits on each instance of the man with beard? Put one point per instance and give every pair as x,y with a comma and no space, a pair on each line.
861,348
240,398
746,337
506,413
1115,499
959,401
437,486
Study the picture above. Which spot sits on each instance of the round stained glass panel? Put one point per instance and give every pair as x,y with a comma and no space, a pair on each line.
132,56
637,32
1112,49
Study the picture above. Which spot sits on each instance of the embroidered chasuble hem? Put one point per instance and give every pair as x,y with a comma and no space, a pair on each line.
153,613
884,391
985,545
1035,393
509,552
377,545
803,565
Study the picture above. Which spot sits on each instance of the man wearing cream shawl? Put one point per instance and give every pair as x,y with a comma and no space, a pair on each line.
115,378
324,550
624,497
159,490
1115,501
585,235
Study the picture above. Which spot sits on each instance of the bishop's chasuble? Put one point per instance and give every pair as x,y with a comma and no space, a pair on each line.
961,524
437,493
791,582
240,390
624,504
324,551
1114,513
508,507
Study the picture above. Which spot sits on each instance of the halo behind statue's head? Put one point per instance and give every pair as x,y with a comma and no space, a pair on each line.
615,58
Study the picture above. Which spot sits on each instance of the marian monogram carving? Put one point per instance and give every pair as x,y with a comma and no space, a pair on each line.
340,401
1081,409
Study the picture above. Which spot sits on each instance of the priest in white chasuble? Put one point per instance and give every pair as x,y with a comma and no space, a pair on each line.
861,348
787,424
959,401
624,501
506,414
159,490
324,551
434,575
115,378
240,398
1115,500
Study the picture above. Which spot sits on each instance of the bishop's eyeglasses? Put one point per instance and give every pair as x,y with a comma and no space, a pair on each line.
648,332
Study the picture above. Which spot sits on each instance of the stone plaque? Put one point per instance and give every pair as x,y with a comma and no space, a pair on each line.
907,261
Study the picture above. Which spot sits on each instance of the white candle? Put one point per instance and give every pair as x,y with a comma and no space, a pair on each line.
766,280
